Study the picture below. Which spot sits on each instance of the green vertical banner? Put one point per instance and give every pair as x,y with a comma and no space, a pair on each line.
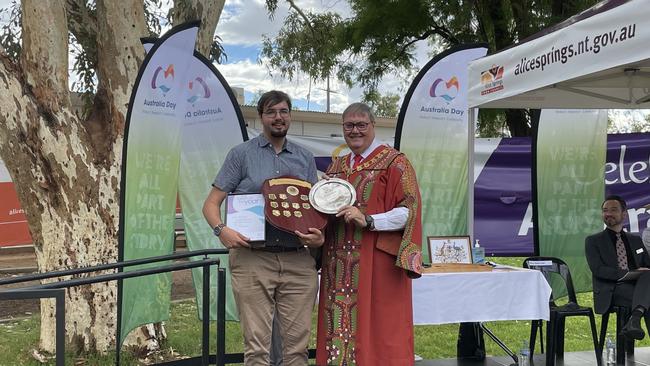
212,125
150,165
569,175
433,131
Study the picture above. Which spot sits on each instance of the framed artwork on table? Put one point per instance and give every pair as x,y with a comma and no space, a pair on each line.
449,249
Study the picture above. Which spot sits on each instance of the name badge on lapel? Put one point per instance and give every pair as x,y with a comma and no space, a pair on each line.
639,251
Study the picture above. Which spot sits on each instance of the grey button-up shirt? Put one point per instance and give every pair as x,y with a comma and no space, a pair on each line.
248,165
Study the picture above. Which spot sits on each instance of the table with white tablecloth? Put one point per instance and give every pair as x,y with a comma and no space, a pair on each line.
505,293
501,294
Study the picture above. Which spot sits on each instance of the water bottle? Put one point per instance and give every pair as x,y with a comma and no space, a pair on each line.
610,351
478,253
524,355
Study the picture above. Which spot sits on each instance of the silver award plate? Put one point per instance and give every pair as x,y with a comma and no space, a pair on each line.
329,195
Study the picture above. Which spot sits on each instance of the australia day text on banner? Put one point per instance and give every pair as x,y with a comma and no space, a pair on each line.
432,129
150,174
212,124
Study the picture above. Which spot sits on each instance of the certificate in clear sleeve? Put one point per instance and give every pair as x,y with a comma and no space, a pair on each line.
245,214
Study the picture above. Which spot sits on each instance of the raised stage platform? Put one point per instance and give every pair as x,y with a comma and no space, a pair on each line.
587,358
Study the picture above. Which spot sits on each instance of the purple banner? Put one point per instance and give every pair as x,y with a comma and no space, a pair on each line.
502,196
627,174
502,191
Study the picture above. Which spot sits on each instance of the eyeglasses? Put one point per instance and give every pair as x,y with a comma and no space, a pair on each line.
361,126
273,112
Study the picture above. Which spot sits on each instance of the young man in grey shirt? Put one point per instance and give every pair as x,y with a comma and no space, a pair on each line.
280,276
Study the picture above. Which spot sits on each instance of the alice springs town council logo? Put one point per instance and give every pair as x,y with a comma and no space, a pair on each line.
492,79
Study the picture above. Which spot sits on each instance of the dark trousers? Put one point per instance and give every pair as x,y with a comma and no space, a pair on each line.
633,294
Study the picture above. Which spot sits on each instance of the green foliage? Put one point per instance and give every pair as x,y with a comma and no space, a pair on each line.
307,45
382,105
217,52
379,39
491,123
627,121
155,18
10,32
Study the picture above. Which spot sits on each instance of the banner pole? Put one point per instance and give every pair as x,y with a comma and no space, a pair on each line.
471,128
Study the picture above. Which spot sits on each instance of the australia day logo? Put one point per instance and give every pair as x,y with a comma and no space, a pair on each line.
163,79
447,90
198,89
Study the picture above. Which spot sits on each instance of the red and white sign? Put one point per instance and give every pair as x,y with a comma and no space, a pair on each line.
13,224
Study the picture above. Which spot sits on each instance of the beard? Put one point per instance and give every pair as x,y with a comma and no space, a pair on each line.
282,133
612,221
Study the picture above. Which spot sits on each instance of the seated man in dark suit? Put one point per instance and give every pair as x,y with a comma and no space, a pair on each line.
611,254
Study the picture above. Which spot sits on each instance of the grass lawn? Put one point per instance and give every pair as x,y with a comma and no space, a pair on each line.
18,338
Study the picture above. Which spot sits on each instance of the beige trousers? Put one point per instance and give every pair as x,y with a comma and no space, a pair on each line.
264,281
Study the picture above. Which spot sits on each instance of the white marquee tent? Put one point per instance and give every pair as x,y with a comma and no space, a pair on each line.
599,58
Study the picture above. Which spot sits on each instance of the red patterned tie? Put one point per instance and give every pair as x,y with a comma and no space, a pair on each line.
620,252
357,161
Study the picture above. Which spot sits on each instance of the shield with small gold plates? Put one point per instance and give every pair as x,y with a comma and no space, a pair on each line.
291,195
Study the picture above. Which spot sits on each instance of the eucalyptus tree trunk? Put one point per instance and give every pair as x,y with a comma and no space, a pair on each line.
67,170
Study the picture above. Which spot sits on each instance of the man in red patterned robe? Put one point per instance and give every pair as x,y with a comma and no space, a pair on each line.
371,253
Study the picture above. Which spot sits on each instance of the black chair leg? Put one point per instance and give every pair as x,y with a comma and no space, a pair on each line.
559,337
550,346
621,317
594,336
603,332
541,335
533,333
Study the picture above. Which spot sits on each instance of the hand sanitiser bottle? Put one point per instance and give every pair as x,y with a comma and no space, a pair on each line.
478,253
610,351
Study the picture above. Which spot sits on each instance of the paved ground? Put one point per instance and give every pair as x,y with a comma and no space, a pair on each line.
22,261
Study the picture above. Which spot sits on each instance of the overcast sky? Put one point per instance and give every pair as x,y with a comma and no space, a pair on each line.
241,26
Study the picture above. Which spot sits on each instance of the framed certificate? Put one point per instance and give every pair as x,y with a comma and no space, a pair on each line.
245,214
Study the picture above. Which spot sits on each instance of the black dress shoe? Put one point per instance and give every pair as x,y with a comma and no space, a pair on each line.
632,329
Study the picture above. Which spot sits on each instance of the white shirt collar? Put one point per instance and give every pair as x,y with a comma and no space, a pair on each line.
374,145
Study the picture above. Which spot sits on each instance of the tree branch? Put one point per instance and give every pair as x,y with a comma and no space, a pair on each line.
306,20
82,22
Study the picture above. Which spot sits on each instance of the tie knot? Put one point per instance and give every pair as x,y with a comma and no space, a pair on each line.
356,161
618,235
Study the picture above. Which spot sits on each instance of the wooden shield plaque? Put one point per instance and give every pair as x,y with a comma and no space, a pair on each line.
287,205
